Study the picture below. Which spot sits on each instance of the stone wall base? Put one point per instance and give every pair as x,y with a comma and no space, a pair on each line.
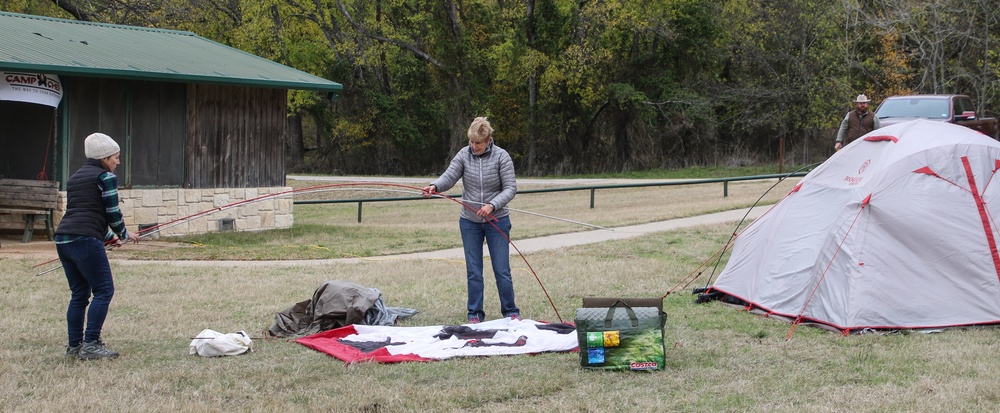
242,209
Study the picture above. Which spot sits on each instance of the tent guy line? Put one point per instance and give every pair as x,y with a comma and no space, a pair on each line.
697,272
736,230
318,188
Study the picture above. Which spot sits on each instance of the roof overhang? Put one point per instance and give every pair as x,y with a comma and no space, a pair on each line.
72,48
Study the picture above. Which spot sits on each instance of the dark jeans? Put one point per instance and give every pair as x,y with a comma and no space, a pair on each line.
473,235
85,262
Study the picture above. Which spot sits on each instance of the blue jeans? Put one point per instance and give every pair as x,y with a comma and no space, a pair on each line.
85,262
473,235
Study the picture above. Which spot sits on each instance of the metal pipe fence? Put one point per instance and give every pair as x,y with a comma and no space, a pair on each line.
592,188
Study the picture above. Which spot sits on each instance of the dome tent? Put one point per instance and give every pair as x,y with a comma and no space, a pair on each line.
895,231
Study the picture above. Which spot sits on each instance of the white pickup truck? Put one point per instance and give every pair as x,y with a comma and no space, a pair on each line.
957,109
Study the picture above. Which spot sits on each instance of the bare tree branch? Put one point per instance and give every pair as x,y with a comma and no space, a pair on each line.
407,46
70,8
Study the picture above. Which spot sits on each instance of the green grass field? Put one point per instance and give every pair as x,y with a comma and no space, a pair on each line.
718,358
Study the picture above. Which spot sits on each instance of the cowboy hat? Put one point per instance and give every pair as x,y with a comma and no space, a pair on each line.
862,99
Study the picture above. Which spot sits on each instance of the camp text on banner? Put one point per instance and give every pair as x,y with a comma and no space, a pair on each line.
36,88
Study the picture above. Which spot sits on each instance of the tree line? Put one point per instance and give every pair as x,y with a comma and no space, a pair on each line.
584,86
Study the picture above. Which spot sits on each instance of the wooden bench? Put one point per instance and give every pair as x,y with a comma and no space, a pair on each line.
33,200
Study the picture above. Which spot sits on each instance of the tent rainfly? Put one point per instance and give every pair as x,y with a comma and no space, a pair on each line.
896,231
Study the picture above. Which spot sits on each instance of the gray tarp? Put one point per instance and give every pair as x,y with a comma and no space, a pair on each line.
336,304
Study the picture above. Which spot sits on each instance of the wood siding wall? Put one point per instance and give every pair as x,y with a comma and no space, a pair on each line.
156,130
95,105
235,137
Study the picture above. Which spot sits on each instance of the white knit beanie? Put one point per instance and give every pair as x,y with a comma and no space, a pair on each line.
100,146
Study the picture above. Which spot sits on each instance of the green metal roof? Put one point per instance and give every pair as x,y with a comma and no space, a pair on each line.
69,47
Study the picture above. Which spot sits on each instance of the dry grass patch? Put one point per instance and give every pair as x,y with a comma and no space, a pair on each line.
718,358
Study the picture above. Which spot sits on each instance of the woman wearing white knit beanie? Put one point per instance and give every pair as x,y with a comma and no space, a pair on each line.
100,146
93,218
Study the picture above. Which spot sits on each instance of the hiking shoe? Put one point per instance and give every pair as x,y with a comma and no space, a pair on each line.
473,320
73,352
94,350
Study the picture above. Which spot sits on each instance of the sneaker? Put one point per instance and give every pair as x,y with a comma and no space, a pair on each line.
473,320
73,352
93,350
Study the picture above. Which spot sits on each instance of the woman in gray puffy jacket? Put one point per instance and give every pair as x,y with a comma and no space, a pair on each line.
487,174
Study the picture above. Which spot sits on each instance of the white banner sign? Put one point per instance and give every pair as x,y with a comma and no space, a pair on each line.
30,87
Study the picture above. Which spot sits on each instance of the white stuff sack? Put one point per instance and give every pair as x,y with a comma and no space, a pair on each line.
211,343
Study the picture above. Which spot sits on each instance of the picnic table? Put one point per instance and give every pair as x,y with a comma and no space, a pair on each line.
33,200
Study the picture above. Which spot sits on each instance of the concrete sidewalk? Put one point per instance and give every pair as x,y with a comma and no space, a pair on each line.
524,245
